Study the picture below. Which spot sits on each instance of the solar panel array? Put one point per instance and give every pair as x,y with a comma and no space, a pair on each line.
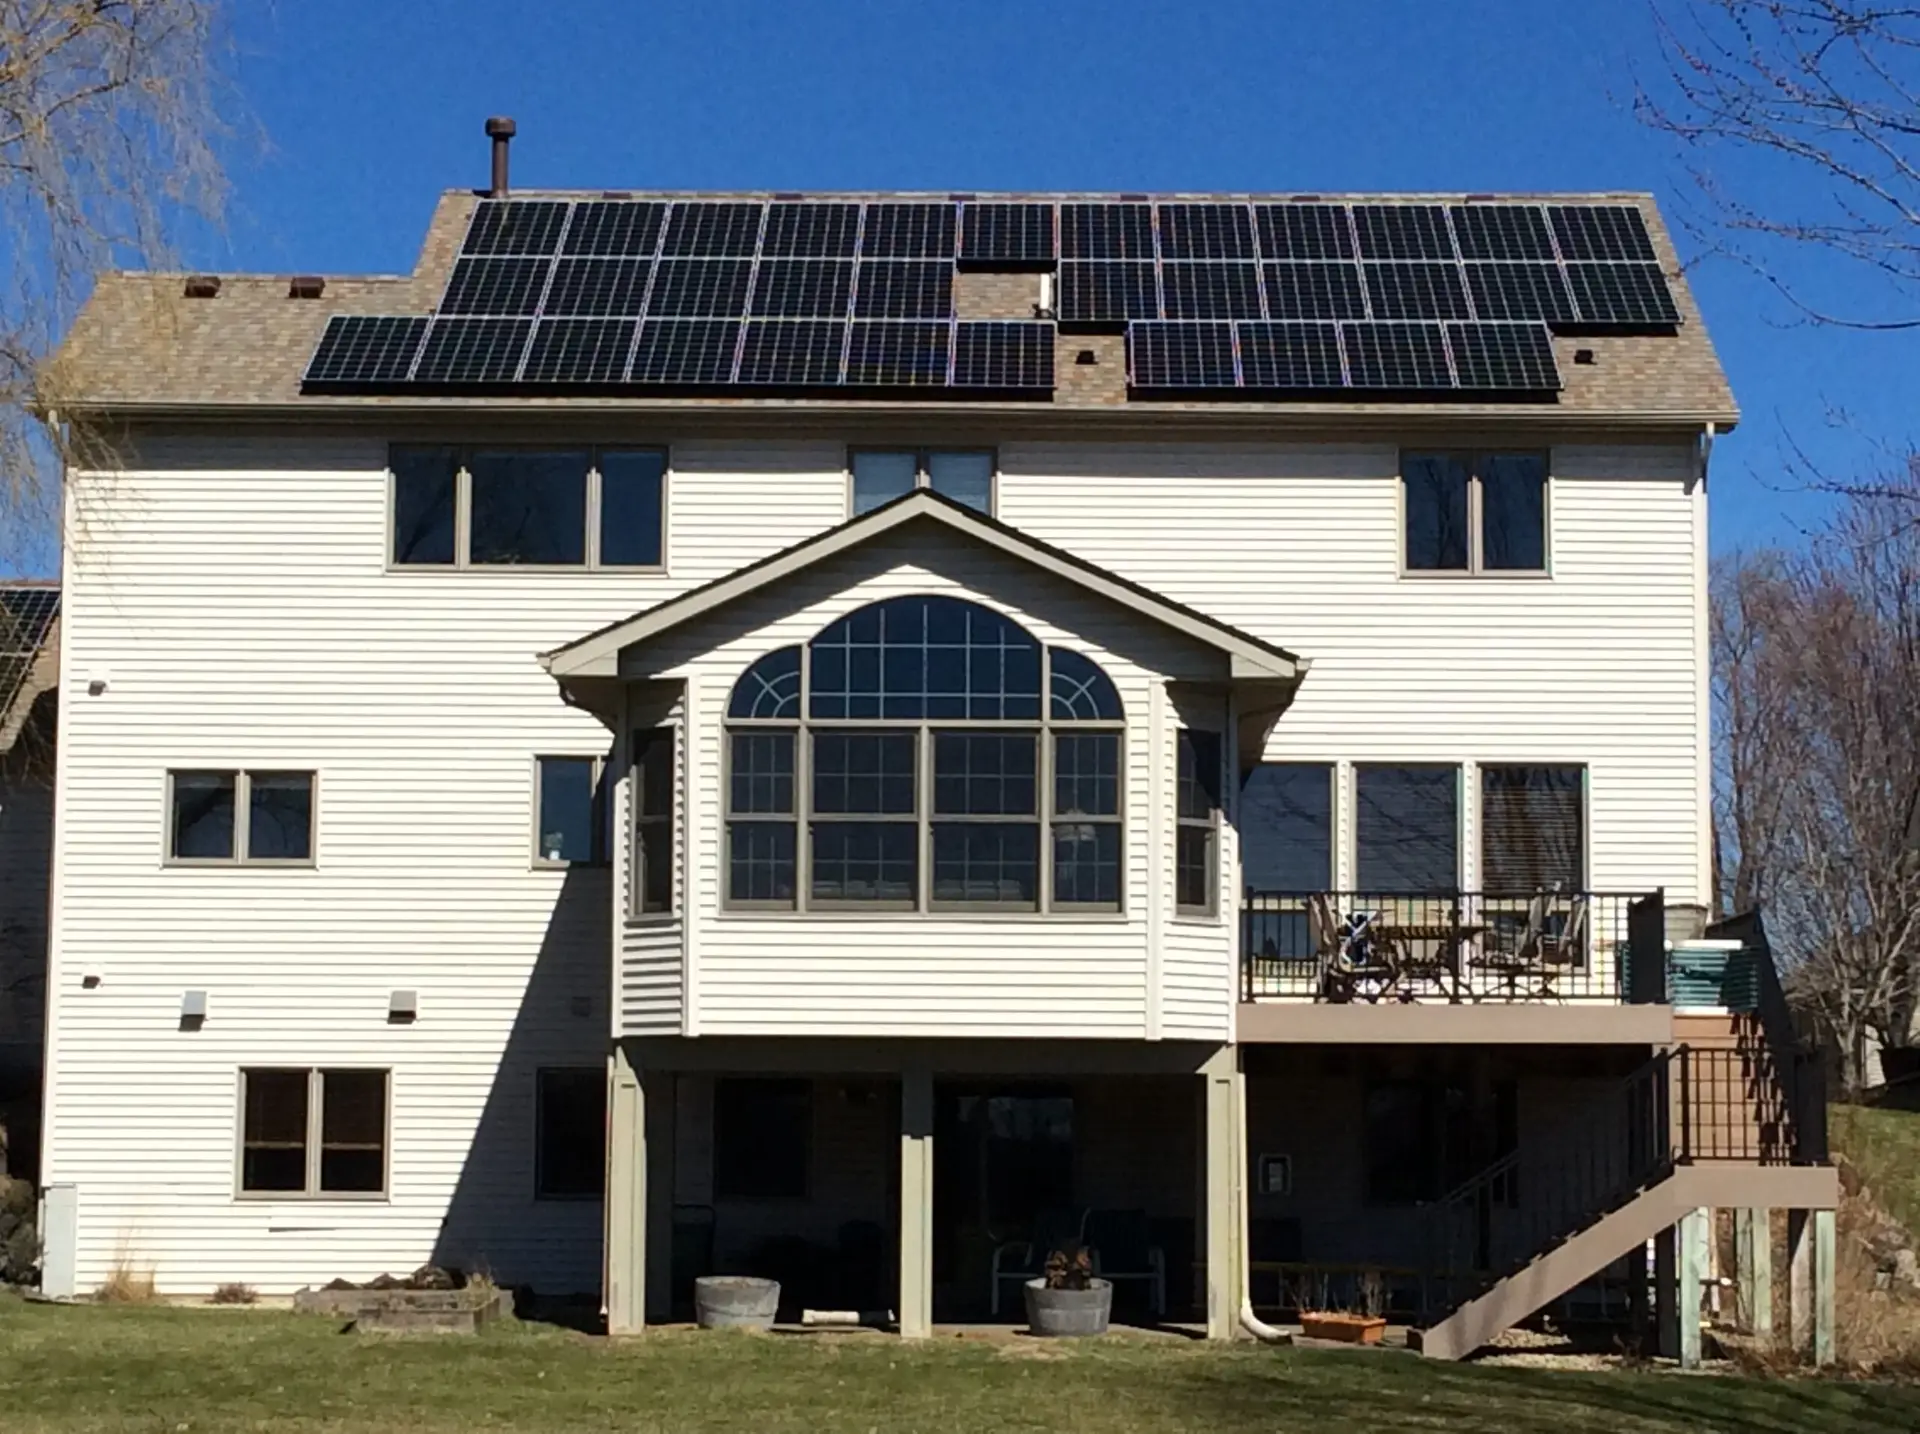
27,611
557,295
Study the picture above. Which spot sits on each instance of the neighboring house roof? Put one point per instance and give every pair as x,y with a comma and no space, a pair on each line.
29,656
597,654
141,346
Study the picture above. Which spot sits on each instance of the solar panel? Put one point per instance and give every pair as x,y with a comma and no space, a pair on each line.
1211,290
1107,293
1011,355
464,351
1304,231
700,288
1314,291
889,353
1205,231
812,231
27,611
1290,355
1601,231
1396,356
515,226
908,231
792,352
1162,354
1495,358
1008,236
1519,290
358,349
802,288
1106,231
496,286
686,351
616,228
713,230
904,289
1416,291
1501,231
579,350
1402,231
602,287
1622,295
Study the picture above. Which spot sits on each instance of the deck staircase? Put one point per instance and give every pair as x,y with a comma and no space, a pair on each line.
1719,1124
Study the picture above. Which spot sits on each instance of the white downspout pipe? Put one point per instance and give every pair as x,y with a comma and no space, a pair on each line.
1249,1321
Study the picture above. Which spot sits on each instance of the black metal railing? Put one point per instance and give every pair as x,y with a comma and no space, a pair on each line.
1451,946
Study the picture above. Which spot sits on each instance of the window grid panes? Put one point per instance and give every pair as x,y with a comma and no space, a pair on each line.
924,774
879,476
242,816
527,507
1474,512
1197,840
653,844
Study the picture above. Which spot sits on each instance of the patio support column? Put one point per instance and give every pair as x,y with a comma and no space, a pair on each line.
1753,1253
626,1279
1692,1229
1811,1245
1666,1308
1224,1156
916,1203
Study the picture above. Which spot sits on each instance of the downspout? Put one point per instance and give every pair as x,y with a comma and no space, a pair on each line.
1249,1321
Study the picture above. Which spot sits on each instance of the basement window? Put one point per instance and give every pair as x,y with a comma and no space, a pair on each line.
313,1132
762,1138
571,1141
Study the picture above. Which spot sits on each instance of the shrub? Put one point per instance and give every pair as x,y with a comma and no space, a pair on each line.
234,1294
127,1284
19,1240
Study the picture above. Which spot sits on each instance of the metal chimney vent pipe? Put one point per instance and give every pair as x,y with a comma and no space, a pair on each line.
500,129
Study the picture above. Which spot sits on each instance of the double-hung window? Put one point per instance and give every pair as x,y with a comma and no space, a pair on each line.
256,817
653,846
528,507
881,475
1197,842
1474,512
924,754
313,1132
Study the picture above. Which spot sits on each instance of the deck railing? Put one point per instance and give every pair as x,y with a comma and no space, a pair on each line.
1451,946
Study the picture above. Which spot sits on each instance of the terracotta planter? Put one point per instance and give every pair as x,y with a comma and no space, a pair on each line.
1347,1328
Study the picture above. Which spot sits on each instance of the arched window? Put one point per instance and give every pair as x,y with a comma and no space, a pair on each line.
924,754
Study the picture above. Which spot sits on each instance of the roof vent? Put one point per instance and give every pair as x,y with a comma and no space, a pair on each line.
203,286
500,129
306,286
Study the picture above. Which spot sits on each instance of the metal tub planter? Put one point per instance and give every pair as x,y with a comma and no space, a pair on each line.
1068,1313
735,1302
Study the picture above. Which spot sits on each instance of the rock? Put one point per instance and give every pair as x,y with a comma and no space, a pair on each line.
1906,1269
432,1277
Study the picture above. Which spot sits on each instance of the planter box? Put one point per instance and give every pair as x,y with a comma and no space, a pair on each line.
735,1302
1069,1314
1346,1328
463,1311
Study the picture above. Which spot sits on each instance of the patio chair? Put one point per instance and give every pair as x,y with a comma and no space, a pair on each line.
1023,1260
1123,1249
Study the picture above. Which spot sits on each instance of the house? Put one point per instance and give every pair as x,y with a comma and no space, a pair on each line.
848,736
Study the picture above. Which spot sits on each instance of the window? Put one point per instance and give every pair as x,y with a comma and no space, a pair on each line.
1532,822
924,754
1196,845
762,1138
880,476
570,1160
653,780
313,1132
1407,829
1475,512
1286,827
570,811
203,824
524,507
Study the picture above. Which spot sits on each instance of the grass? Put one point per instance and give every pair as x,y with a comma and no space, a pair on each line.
1883,1144
146,1368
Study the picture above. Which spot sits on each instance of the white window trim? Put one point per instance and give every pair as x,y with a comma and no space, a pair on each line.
316,1096
242,821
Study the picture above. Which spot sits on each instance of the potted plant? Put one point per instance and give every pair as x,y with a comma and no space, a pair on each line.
1069,1299
1366,1325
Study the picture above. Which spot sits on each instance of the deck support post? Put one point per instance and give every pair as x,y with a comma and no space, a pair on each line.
1753,1255
1224,1157
627,1162
1666,1308
1812,1249
1693,1230
916,1203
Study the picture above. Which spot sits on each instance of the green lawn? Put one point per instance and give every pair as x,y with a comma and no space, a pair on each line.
1883,1144
176,1370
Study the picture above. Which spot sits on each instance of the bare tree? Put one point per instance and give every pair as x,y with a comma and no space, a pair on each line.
110,116
1817,671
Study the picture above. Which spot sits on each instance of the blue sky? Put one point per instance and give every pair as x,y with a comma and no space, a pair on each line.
366,109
